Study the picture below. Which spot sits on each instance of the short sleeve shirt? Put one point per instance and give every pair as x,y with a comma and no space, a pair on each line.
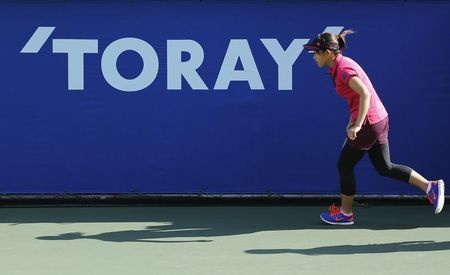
342,71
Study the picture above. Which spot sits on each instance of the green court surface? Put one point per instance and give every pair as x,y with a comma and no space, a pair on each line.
210,240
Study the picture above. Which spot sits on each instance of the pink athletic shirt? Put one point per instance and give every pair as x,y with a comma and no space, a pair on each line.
342,70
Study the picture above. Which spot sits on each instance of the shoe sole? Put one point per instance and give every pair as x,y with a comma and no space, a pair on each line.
336,223
441,197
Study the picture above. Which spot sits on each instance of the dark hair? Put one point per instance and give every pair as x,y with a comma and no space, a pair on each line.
335,40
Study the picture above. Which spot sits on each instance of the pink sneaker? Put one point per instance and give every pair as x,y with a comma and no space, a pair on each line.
335,216
436,195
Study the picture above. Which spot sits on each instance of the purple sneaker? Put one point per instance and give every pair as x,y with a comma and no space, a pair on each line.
335,216
436,195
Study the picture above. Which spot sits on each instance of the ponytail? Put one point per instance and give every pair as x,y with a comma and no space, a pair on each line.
341,39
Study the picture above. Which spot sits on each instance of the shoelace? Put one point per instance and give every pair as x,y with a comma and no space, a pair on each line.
334,210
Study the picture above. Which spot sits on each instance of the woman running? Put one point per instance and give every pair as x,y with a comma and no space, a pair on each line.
367,129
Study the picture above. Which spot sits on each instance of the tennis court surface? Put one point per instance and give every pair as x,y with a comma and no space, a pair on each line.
386,239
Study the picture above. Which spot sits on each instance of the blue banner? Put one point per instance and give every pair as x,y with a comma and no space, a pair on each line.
212,96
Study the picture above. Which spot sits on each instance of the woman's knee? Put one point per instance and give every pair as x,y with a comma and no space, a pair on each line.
395,171
384,170
344,166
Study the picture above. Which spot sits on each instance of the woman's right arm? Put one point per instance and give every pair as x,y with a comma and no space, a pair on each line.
350,123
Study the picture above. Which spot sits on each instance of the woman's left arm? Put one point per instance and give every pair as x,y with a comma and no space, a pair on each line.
364,101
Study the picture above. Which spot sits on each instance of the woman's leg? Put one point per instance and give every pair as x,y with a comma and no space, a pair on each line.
380,157
435,190
417,180
347,161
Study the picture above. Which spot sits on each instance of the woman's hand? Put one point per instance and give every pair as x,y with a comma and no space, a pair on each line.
352,131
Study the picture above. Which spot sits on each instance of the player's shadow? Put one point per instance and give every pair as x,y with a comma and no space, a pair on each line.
203,224
412,246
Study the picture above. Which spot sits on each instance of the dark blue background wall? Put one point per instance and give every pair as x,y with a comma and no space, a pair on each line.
238,140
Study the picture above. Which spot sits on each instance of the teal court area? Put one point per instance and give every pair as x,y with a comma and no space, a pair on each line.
404,239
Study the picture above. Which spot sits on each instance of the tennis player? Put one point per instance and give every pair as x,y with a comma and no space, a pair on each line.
367,129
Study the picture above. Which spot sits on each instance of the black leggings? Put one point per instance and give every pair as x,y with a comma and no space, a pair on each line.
379,155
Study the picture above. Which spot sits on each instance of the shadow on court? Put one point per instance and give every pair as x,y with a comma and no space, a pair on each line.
199,224
417,246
